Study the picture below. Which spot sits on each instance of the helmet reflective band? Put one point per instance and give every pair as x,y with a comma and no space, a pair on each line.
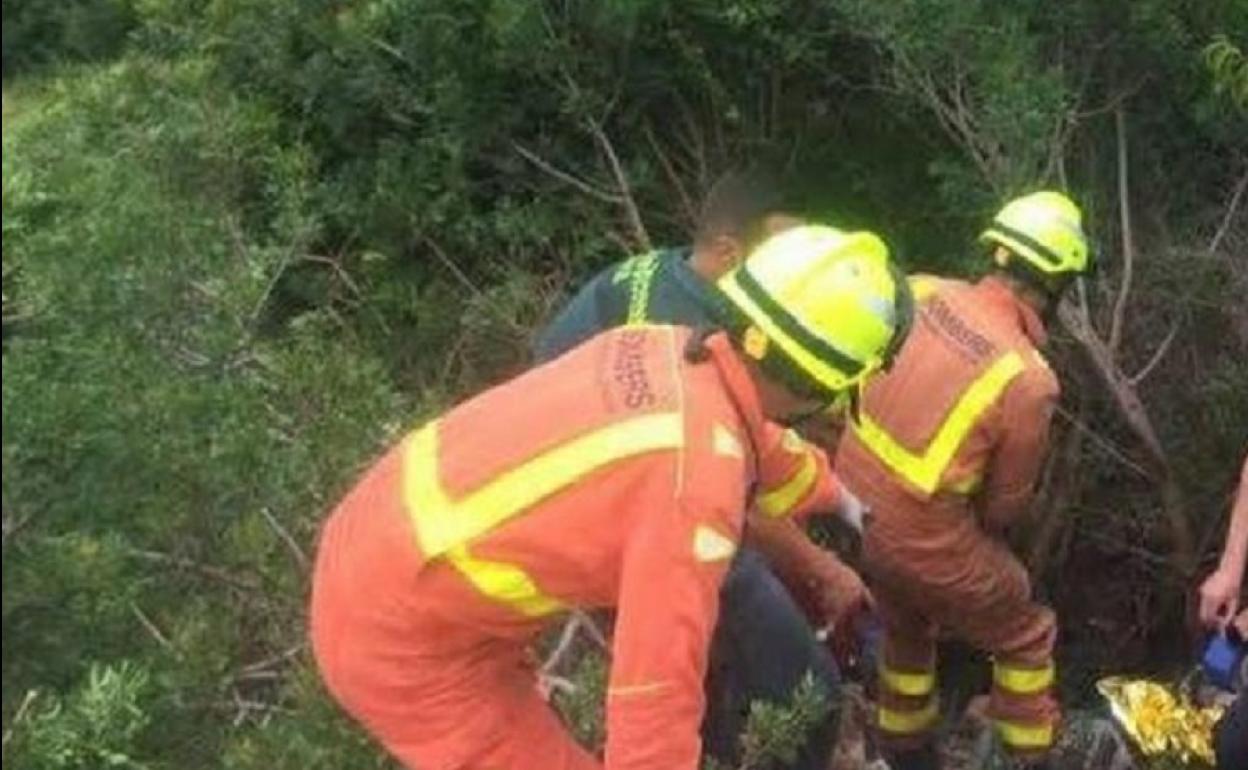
827,300
1045,231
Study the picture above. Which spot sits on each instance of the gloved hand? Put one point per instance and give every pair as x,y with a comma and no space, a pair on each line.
851,509
837,594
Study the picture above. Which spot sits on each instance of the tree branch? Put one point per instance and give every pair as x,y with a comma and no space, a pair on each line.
445,258
1124,395
564,176
1231,209
621,181
285,537
1157,356
686,203
207,570
151,628
1128,244
19,715
1103,443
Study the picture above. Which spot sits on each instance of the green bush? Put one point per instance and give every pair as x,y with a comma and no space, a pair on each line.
39,32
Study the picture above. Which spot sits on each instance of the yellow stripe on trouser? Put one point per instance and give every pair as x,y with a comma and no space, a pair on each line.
1022,681
781,500
1023,737
911,683
908,722
445,527
924,470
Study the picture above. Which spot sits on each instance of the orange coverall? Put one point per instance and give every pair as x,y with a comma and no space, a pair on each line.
946,452
617,475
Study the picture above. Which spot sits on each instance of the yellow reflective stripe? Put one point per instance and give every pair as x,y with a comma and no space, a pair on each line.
908,722
1020,736
442,523
922,287
912,683
639,289
1022,681
629,690
966,486
781,500
503,582
724,442
710,545
925,470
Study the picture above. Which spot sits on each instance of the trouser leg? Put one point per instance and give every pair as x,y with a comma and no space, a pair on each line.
999,616
908,709
762,650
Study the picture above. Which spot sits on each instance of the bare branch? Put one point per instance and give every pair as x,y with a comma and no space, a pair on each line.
1229,217
269,663
338,269
151,628
1157,356
445,258
1124,395
1136,416
548,683
1128,244
207,570
687,206
564,176
566,638
1103,443
621,181
595,633
13,525
19,715
285,536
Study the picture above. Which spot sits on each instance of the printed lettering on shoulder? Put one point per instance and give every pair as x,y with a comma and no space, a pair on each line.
628,370
937,310
640,369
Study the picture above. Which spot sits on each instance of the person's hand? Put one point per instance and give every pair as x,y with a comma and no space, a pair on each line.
1241,624
1219,598
837,593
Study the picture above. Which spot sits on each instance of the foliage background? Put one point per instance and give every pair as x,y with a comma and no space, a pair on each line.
246,243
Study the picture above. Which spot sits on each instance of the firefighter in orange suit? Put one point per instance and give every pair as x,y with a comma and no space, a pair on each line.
617,475
945,449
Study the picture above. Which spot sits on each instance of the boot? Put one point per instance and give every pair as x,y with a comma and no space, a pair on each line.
924,758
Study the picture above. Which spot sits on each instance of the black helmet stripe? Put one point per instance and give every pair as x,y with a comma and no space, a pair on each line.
1027,240
792,327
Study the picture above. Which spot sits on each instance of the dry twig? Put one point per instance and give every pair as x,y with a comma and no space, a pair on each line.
621,181
563,176
285,536
151,628
1128,242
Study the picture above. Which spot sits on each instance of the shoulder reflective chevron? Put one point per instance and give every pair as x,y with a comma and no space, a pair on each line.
445,527
924,469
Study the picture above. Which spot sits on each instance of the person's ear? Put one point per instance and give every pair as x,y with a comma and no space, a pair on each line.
724,253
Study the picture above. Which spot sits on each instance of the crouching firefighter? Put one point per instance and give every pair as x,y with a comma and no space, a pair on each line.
618,475
946,448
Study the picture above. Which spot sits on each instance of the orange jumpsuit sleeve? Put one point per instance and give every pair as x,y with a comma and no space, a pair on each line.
1025,413
668,604
795,478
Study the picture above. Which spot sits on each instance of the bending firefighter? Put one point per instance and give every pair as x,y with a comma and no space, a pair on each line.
945,449
763,645
618,475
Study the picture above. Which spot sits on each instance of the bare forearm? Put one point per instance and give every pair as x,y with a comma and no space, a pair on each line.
1235,553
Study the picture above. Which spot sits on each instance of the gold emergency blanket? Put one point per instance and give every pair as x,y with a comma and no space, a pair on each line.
1159,721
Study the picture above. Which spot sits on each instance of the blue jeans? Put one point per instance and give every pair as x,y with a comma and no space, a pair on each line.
762,648
1231,736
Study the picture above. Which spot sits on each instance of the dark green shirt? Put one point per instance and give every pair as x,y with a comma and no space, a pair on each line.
658,287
